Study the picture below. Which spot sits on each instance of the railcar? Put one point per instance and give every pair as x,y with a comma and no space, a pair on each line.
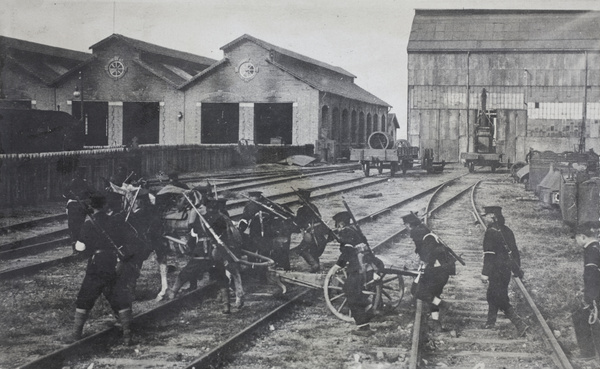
30,131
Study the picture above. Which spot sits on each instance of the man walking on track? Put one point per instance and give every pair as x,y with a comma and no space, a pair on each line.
435,271
500,259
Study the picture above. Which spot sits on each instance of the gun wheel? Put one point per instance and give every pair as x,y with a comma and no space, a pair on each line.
392,291
336,299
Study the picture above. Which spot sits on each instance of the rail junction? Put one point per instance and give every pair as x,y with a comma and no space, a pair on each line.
189,332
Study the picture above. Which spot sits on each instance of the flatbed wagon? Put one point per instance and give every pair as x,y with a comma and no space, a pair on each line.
384,153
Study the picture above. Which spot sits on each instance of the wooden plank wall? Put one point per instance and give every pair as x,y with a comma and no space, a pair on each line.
40,177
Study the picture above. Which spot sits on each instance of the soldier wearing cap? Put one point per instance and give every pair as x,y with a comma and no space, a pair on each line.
436,266
360,263
99,239
206,255
500,259
585,322
314,232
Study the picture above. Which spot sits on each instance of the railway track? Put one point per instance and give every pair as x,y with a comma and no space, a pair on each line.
466,344
194,311
192,316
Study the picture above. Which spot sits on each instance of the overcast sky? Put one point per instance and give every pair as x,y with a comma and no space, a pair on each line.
366,37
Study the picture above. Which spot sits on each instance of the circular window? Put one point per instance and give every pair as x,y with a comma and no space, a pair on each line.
115,68
247,70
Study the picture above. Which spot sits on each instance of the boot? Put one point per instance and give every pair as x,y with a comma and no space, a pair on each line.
224,292
172,292
81,316
126,316
491,317
312,262
363,331
516,320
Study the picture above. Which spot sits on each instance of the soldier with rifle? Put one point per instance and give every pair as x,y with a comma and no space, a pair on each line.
103,241
315,233
360,263
500,259
209,227
437,266
270,227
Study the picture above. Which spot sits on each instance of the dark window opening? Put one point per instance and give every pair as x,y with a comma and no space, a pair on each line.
141,120
273,123
537,105
220,123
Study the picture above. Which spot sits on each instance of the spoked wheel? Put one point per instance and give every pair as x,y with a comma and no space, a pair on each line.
392,291
336,298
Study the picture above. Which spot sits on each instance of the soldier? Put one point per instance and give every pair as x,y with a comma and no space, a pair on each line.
585,321
359,261
100,239
314,232
500,259
206,254
436,265
77,195
147,232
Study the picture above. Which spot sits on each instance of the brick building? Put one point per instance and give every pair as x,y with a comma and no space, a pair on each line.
540,71
257,92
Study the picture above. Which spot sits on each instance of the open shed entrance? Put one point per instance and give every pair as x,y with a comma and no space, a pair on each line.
141,120
220,123
273,123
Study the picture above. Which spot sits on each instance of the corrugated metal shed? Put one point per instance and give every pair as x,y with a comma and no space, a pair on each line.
518,30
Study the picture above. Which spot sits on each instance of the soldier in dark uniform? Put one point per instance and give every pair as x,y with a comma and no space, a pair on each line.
77,195
147,230
100,239
206,254
500,259
436,264
585,321
360,262
314,232
265,232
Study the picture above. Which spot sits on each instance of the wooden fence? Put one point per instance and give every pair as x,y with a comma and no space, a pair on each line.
40,177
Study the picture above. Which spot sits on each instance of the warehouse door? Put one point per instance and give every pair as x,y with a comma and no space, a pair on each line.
96,118
141,120
220,123
273,123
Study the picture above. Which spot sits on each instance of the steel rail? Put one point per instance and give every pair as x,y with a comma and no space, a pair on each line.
549,336
416,336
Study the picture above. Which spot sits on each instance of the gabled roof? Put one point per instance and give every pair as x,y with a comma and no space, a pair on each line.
325,83
516,30
288,53
47,63
155,49
204,72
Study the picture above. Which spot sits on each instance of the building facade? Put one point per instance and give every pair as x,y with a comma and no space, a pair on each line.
536,74
129,90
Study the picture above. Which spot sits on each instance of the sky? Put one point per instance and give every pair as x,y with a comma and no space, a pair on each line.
368,38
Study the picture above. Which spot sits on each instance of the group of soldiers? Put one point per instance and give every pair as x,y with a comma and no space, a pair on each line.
118,233
501,260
